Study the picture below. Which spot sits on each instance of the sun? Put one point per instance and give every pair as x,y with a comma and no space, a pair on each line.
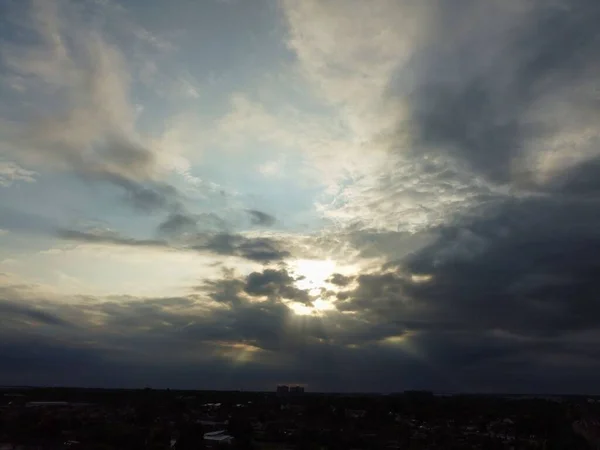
312,275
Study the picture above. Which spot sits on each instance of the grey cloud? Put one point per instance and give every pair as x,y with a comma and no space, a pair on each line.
90,128
26,357
177,223
227,291
261,218
473,99
271,283
582,180
335,352
260,249
11,172
340,280
181,222
143,196
262,283
279,283
11,310
492,93
263,250
527,267
108,238
17,220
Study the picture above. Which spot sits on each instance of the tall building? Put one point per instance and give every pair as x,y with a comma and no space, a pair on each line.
296,389
284,389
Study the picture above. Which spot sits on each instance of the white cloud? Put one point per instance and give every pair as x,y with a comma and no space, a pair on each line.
84,119
11,172
166,80
273,168
360,57
349,51
118,14
329,152
184,86
93,105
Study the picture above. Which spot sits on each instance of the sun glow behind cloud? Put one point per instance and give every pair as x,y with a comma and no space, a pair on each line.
312,276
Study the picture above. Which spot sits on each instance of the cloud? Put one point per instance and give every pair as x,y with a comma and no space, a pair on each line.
340,280
258,249
177,223
495,137
87,124
12,311
524,267
463,189
317,140
11,172
527,257
186,87
96,102
273,168
108,237
12,219
145,197
348,52
501,108
278,283
478,99
221,327
261,218
353,59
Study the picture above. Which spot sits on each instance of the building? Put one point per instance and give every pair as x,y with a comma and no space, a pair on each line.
296,389
285,389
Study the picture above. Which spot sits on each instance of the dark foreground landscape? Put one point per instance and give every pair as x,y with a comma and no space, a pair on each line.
60,418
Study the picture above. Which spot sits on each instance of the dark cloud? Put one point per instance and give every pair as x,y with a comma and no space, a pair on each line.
476,98
177,223
181,223
501,281
527,267
260,249
582,180
278,283
261,218
106,237
28,357
186,342
268,281
275,285
11,310
263,250
340,280
145,198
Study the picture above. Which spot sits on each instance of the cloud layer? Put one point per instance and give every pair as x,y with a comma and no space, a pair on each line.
407,197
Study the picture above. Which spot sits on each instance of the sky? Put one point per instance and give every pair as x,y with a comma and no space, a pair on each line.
347,195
